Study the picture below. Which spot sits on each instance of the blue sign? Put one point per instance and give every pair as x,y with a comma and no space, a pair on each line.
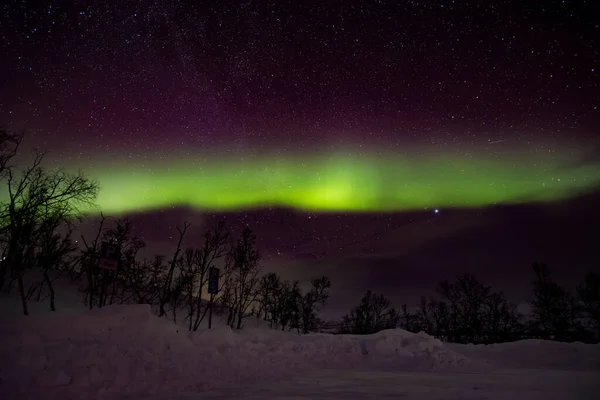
213,280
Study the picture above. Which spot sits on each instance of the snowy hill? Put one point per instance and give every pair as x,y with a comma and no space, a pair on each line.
121,351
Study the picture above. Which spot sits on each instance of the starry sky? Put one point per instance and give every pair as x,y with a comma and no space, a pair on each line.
334,129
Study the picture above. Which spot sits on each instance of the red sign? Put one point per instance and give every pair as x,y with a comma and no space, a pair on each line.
109,256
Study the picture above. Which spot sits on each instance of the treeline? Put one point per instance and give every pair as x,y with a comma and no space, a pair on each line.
468,311
178,286
42,208
37,222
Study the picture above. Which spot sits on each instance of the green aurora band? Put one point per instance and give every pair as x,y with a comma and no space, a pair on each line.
371,182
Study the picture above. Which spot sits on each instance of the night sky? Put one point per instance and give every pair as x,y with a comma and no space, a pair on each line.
385,144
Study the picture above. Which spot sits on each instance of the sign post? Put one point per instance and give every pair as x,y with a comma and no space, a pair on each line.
109,256
213,288
109,260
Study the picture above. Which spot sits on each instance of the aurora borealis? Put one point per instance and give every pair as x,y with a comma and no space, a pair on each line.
360,183
324,126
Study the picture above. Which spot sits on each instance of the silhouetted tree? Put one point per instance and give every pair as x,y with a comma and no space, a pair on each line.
466,312
9,146
554,309
89,259
107,286
177,292
279,302
168,294
288,300
372,315
465,300
33,196
408,321
589,295
195,270
146,279
311,302
444,327
116,285
134,281
268,288
424,317
190,277
54,253
502,321
241,286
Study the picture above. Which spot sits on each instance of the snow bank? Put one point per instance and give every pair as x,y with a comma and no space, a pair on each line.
124,350
536,354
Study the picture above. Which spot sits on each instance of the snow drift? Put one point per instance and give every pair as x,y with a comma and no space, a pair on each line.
125,350
120,352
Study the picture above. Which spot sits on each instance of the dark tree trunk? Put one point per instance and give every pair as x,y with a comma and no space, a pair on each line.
101,300
230,317
166,292
3,273
91,285
22,294
51,289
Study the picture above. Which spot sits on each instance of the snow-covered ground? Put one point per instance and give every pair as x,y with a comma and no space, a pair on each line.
373,384
125,352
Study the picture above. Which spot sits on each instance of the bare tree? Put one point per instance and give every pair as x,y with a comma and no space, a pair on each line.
33,195
372,315
464,299
589,295
177,291
466,312
424,317
189,277
501,319
226,298
288,303
268,286
242,285
278,302
216,247
167,293
554,309
133,281
53,252
146,279
316,297
409,321
89,264
9,146
116,285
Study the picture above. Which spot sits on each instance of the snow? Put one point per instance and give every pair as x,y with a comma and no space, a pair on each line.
375,384
126,352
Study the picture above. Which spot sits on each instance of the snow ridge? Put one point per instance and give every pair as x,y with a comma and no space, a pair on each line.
120,351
